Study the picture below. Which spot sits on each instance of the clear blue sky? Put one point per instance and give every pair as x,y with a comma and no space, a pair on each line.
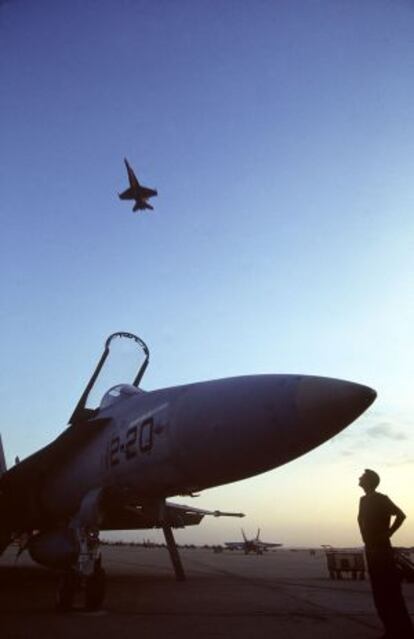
280,137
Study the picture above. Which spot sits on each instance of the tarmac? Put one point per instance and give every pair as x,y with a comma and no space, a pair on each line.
285,594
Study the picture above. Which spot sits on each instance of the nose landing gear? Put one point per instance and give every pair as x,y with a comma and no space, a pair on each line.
86,580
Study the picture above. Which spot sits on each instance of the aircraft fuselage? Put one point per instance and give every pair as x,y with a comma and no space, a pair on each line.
184,439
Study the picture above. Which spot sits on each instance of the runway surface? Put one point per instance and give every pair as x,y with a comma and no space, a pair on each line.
280,594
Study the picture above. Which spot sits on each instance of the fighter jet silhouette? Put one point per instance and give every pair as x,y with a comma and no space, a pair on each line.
137,192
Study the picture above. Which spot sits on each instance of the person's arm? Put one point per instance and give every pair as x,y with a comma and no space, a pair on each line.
399,518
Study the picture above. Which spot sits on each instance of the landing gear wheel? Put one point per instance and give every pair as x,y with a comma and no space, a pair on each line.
95,589
67,589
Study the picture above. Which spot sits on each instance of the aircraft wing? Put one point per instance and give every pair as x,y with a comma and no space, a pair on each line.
234,545
127,195
47,459
146,192
124,517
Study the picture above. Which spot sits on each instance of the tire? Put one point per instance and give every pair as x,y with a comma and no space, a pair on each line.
95,589
66,591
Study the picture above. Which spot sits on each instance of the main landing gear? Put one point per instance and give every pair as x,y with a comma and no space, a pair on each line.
86,580
174,554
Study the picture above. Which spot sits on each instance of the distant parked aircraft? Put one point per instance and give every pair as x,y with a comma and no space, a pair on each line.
251,545
137,192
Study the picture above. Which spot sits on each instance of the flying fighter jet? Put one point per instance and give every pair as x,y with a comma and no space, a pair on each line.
117,463
137,192
251,545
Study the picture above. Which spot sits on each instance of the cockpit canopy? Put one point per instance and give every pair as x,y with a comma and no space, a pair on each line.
119,393
125,356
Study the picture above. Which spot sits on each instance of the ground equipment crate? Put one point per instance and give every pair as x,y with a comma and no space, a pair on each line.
345,563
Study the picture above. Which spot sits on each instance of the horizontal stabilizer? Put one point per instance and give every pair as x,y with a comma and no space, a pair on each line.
3,466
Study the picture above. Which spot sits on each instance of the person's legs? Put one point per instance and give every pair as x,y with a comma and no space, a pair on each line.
388,599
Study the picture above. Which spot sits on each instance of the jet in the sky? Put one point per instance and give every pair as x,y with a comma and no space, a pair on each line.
118,462
251,545
137,192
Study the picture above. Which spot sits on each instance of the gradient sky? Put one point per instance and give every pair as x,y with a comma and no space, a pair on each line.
280,136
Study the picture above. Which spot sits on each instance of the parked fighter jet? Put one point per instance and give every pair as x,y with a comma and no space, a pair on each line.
137,192
251,545
116,464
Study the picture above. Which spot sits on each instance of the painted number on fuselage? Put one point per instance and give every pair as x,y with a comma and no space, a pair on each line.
131,440
114,451
145,438
129,448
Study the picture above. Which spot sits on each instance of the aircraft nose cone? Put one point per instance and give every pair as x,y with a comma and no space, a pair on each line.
328,405
229,429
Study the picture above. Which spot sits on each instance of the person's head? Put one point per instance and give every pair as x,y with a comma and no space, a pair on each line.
369,480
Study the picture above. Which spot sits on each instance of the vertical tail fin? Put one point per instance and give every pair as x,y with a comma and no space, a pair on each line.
3,466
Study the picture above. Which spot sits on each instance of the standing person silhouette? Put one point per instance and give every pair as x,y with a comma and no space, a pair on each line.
374,518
